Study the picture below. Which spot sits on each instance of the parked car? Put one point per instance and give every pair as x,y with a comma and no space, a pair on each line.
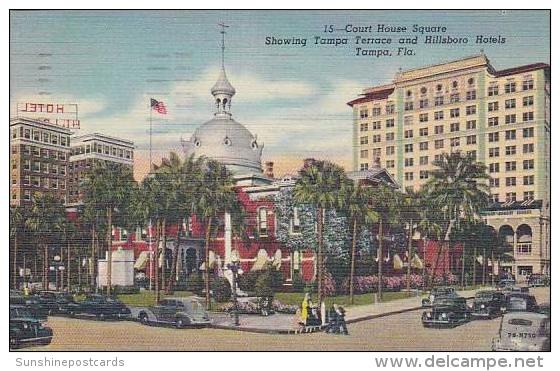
52,301
489,304
179,312
537,280
21,311
447,312
505,283
438,292
523,331
24,331
32,303
544,309
99,306
521,302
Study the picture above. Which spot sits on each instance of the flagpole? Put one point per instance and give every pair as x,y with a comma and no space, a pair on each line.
151,109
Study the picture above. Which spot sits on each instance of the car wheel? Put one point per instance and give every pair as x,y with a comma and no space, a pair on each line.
143,317
14,343
179,323
101,316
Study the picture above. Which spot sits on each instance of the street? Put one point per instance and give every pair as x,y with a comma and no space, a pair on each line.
398,332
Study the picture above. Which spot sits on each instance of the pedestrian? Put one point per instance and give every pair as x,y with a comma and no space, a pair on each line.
341,321
332,321
305,304
323,314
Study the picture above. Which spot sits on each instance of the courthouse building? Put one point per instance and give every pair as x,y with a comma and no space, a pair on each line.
501,117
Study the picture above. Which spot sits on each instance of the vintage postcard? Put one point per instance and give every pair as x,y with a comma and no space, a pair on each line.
280,180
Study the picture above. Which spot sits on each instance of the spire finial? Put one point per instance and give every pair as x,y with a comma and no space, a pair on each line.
223,32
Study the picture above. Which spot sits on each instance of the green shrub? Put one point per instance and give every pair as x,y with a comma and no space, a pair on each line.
262,286
247,280
221,290
195,283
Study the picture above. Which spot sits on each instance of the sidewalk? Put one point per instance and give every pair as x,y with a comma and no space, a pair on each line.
287,323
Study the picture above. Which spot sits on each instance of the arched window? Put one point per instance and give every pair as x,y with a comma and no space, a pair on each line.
262,222
524,240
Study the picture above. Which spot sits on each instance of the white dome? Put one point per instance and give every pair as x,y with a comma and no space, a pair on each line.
224,139
223,86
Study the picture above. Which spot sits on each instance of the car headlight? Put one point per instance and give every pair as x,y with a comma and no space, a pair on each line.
429,315
444,315
482,306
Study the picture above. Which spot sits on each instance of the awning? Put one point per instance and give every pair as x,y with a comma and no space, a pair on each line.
142,260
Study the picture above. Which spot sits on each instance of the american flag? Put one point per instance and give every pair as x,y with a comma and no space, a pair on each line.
158,106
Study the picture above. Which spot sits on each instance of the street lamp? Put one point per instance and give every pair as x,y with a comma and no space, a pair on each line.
234,268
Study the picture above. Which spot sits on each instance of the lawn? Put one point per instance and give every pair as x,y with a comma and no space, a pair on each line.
295,298
147,298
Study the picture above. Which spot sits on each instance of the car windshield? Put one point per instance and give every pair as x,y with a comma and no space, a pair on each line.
517,303
446,302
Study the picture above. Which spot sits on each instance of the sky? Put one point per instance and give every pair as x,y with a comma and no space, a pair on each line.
293,98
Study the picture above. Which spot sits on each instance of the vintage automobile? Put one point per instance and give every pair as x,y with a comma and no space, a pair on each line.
99,306
447,312
32,303
505,283
537,280
488,304
21,311
27,331
544,308
438,292
523,331
521,302
179,312
54,301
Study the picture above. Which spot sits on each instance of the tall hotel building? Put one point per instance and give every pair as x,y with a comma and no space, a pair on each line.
88,149
500,117
39,155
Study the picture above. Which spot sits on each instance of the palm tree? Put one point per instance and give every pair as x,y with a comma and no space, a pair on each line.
323,185
360,214
47,218
216,196
458,186
385,203
410,204
108,186
17,226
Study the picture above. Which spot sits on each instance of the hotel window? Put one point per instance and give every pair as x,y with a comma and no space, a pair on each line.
528,164
493,106
54,183
36,166
88,148
471,95
471,154
471,110
45,167
390,164
363,166
493,121
529,148
54,169
494,152
438,101
364,113
408,133
438,115
528,101
106,150
471,124
390,123
376,152
528,180
423,160
424,174
494,182
511,165
390,150
62,170
390,109
423,103
408,106
511,150
99,147
363,127
408,162
113,151
121,153
438,144
14,149
376,111
454,126
27,195
408,120
494,137
376,125
423,132
510,134
36,181
54,139
511,197
26,164
262,215
364,140
63,140
528,116
408,176
423,146
493,90
423,117
510,103
389,137
510,87
62,155
494,167
128,155
528,84
528,132
27,134
438,129
295,222
27,150
454,98
471,139
511,119
438,158
408,148
454,112
364,153
46,137
53,154
455,142
376,138
511,181
495,198
528,196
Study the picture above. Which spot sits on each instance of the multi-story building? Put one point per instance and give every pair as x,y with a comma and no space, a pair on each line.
90,148
502,118
39,154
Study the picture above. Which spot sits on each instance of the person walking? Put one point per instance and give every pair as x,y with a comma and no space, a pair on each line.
341,321
305,304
